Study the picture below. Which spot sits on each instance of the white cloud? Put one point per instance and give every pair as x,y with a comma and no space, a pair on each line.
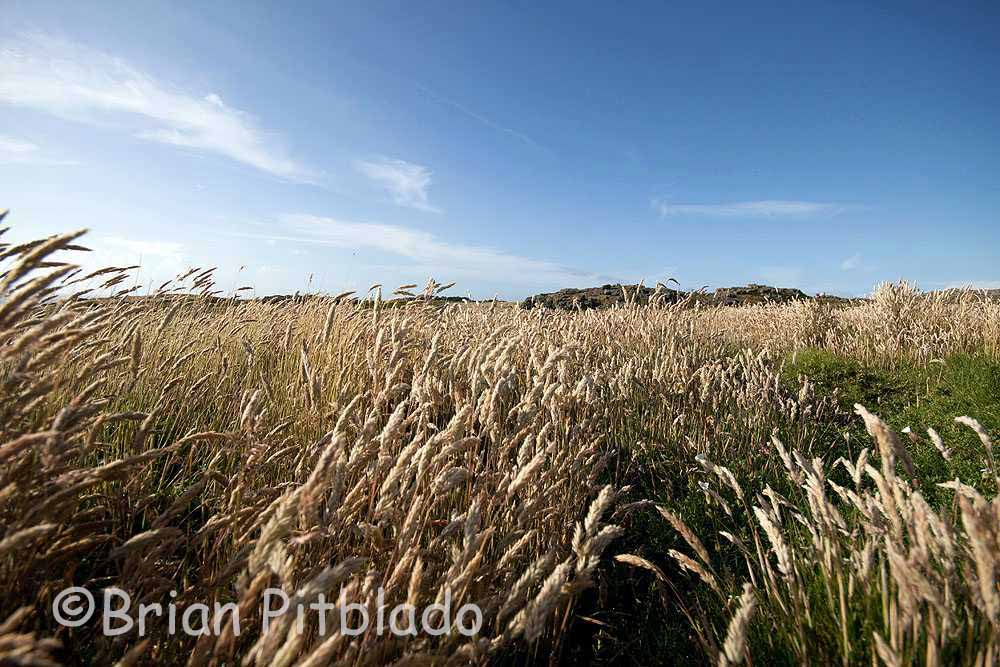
768,208
144,249
82,84
446,261
406,182
851,263
158,261
12,146
19,151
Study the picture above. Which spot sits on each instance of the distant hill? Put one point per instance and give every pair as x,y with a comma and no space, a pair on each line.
607,296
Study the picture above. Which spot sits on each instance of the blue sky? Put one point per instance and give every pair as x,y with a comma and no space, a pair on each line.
513,148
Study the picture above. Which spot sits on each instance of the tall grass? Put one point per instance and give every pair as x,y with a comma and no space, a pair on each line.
182,441
844,573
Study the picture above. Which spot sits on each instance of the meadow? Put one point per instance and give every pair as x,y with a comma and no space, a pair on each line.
646,484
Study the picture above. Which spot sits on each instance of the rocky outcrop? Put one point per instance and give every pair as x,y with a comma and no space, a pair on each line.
600,297
753,293
607,296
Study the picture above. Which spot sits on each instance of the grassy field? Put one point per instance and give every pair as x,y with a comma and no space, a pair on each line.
645,484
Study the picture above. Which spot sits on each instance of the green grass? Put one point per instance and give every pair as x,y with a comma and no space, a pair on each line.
851,382
918,397
904,395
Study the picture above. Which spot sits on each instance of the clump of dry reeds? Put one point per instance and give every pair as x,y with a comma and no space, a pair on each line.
898,322
321,446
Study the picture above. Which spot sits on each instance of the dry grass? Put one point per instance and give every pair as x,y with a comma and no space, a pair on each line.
329,446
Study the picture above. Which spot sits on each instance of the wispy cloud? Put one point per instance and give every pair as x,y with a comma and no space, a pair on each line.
137,249
20,151
851,263
766,208
12,146
406,182
481,118
79,83
158,260
428,253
